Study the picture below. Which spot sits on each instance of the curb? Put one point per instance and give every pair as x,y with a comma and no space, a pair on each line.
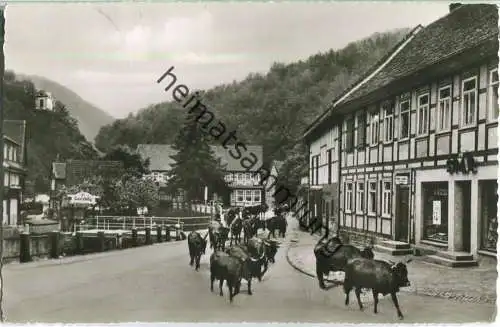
301,270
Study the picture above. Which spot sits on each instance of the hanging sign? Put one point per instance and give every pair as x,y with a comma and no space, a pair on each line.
436,212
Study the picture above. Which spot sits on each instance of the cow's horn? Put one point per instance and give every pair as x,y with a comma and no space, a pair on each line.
391,262
408,260
205,237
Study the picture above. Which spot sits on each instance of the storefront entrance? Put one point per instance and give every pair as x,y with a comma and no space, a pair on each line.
402,213
463,194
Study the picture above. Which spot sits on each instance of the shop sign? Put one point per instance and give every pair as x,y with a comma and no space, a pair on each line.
436,212
462,163
401,179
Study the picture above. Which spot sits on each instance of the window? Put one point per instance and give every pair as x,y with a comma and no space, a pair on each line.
229,178
313,178
361,130
386,198
330,166
388,110
372,197
360,198
444,109
41,103
469,99
488,215
256,196
248,195
435,211
423,114
239,195
493,113
374,132
404,119
349,141
5,151
348,196
6,179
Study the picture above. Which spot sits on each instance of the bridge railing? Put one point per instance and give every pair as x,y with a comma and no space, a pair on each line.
140,222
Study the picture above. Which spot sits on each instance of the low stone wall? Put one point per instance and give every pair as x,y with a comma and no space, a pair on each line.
56,244
360,238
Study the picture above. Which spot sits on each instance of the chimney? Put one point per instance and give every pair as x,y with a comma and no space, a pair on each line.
454,6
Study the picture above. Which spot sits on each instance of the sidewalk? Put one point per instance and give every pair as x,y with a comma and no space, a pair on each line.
474,285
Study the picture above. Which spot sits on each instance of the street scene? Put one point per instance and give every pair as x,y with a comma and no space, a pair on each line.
180,163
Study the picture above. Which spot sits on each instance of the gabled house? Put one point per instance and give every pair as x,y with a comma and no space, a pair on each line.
14,165
245,187
414,142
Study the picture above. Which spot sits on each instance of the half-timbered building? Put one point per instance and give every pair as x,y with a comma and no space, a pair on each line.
418,138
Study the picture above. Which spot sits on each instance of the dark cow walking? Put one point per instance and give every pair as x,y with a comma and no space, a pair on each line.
332,255
270,248
276,223
379,276
224,267
257,249
236,227
249,229
217,235
251,266
197,246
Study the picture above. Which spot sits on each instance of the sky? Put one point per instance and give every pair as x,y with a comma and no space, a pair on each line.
112,54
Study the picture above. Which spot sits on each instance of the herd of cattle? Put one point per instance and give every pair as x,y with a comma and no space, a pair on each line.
249,259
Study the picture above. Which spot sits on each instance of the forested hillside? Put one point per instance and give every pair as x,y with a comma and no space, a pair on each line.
271,109
90,118
49,134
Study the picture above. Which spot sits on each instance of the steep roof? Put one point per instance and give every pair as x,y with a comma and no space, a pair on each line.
160,156
78,170
464,28
16,130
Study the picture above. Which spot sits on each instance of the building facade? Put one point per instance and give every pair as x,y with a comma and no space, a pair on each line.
245,187
44,101
418,158
14,165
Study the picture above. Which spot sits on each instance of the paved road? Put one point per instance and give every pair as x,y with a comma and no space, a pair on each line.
155,283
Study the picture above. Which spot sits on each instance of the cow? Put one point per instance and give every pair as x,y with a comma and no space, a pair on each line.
257,249
217,235
276,223
249,229
251,265
235,228
224,267
332,255
379,276
270,248
197,246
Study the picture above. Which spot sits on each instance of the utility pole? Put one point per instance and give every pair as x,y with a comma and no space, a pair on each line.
2,73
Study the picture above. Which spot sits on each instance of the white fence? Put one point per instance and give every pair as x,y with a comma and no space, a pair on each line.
140,222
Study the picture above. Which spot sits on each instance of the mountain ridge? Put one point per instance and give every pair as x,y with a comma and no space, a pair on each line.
90,117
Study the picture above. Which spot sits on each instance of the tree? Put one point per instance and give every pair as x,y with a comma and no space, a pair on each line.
132,162
294,167
135,192
195,164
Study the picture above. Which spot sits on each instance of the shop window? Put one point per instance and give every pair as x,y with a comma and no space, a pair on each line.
489,217
435,211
